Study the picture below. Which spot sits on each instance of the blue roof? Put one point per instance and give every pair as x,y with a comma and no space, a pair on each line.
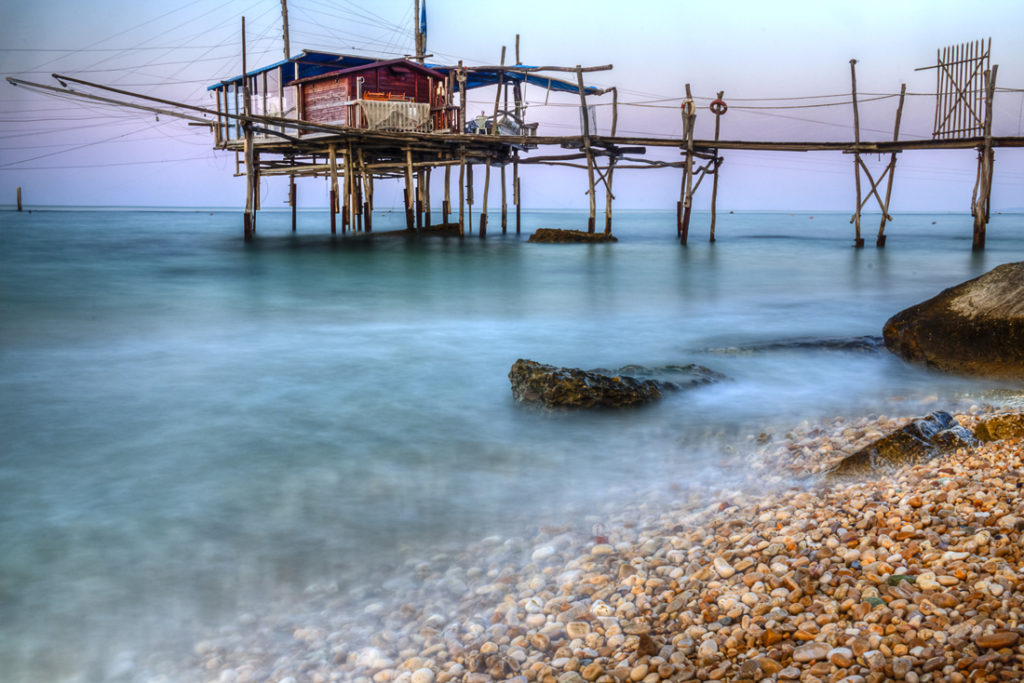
317,63
310,64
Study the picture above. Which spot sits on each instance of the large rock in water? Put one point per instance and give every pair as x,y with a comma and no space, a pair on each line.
535,382
921,440
975,328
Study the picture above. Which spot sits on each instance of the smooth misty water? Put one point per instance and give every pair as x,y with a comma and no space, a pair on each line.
192,425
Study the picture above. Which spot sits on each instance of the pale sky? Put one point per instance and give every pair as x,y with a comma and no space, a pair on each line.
756,52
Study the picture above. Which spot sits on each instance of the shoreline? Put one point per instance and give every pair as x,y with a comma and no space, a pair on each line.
917,575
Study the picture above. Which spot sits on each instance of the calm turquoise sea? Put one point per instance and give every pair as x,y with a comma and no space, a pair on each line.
191,425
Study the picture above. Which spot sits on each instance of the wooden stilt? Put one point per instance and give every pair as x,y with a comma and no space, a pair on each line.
689,118
357,198
586,147
19,198
333,161
483,203
292,199
419,200
608,196
410,222
249,227
891,169
346,209
367,192
504,203
249,221
515,186
982,207
714,180
446,203
858,240
462,193
469,196
426,196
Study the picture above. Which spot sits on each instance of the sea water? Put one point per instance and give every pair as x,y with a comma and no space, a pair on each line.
192,425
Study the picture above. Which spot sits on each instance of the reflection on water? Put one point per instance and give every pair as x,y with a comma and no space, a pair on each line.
192,424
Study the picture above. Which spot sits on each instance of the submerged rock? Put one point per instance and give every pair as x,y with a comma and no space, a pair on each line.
558,236
974,328
999,427
672,376
534,382
921,440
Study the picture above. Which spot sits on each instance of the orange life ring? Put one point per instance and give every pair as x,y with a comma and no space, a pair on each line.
718,107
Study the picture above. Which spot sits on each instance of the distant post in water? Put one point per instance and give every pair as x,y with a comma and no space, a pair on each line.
19,198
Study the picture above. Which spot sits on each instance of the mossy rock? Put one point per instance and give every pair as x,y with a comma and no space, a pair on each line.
559,236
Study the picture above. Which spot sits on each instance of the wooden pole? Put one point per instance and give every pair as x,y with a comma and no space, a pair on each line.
858,240
461,78
284,30
410,222
515,188
462,192
346,211
586,146
333,161
714,180
359,203
608,197
689,118
469,196
504,203
419,199
483,203
249,220
981,207
426,195
880,242
292,199
19,198
446,203
367,191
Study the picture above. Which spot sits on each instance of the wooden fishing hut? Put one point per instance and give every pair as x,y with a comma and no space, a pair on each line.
354,119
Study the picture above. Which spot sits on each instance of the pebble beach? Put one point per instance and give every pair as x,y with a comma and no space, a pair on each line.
912,575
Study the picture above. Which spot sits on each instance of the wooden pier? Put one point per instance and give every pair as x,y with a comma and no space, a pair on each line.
355,120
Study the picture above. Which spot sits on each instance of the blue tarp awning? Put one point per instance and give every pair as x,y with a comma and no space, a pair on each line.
479,79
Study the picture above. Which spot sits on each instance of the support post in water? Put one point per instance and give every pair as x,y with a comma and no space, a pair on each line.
19,198
689,113
986,160
249,220
612,158
718,108
858,240
515,187
446,202
586,147
292,199
462,193
891,170
410,222
334,187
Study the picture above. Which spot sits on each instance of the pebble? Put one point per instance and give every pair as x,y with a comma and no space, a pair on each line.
811,652
912,575
724,569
